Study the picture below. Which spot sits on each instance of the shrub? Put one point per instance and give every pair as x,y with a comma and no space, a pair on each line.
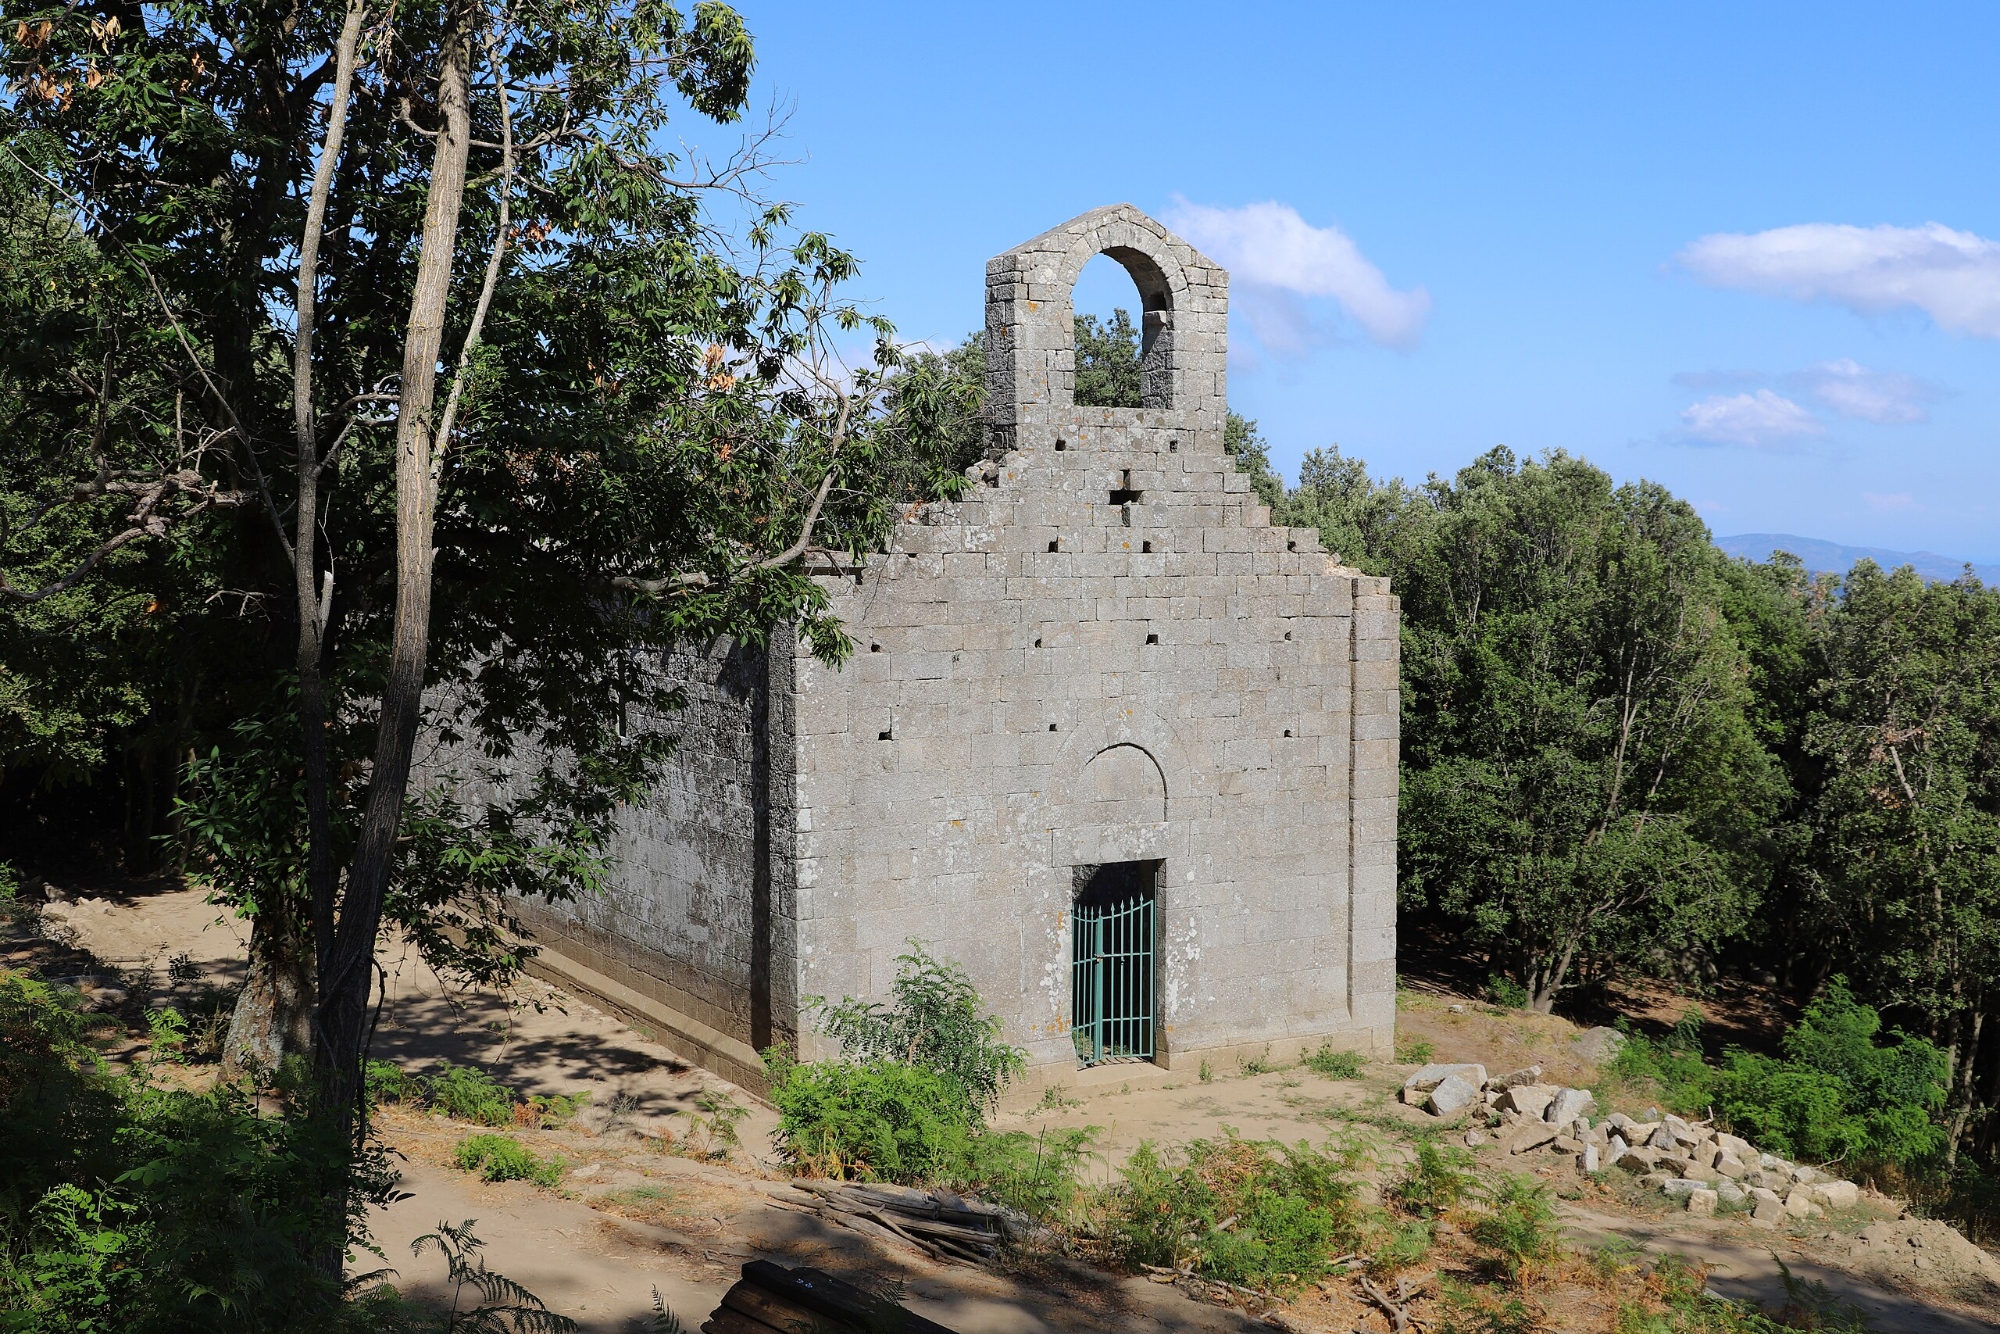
213,1212
467,1093
1414,1051
1035,1174
1334,1064
1505,991
1440,1178
501,1158
1243,1211
1840,1093
1517,1228
387,1082
932,1022
1671,1070
876,1119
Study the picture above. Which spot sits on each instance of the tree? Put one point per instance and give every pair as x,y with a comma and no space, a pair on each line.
1903,874
1581,787
497,408
1107,361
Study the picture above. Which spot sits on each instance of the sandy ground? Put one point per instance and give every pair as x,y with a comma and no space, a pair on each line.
637,1213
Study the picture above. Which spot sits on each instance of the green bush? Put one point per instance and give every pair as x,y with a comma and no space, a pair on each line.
1671,1071
138,1208
1506,992
501,1158
933,1021
1840,1093
875,1119
387,1082
1517,1227
1334,1064
467,1093
1414,1051
1243,1211
1441,1177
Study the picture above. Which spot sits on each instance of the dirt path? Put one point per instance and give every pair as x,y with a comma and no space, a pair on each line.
635,1212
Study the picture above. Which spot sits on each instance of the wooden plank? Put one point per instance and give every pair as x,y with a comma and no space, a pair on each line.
726,1321
771,1309
826,1295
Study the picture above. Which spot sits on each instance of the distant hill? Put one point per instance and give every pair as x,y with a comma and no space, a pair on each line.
1834,557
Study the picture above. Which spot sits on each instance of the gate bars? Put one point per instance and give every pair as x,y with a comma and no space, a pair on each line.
1111,988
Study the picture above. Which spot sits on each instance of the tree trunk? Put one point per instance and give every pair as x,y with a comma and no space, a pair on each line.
347,960
273,1017
274,1013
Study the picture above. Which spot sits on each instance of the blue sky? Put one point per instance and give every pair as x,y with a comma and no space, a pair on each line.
1746,251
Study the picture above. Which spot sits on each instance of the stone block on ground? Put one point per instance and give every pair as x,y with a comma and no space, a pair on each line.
1531,1135
1529,1100
1730,1167
1592,1160
1451,1095
1430,1076
1730,1193
1741,1149
1701,1203
1836,1194
1683,1186
1569,1104
1638,1160
1598,1044
1515,1078
1799,1203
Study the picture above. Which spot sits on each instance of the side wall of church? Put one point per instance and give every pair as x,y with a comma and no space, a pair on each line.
690,927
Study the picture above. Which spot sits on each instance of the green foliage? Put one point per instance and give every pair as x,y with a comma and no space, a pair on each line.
932,1021
1414,1051
501,1158
1107,361
1672,1071
1260,1064
498,1304
1404,1245
1249,1212
1334,1063
711,1124
1517,1226
467,1093
130,1207
1441,1178
1581,788
1841,1093
1252,452
874,1118
1505,991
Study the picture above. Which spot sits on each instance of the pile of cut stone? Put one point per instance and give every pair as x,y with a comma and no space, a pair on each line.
1684,1159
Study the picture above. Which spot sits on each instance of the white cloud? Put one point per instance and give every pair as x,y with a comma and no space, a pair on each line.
1852,390
1270,246
1952,276
1895,503
1763,420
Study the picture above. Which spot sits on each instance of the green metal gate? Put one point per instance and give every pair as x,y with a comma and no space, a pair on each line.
1111,989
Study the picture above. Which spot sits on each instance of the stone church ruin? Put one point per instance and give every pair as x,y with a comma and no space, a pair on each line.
1109,740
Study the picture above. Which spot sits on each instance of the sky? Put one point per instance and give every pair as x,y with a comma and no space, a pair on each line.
1751,252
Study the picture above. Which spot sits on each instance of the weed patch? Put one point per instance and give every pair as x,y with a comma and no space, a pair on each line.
1248,1212
1333,1064
501,1158
1414,1051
